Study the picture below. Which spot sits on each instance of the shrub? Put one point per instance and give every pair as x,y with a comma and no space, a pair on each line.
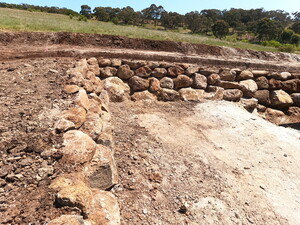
271,43
287,48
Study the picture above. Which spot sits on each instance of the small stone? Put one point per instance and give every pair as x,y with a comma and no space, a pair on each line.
232,95
229,85
167,82
182,81
208,72
53,71
291,86
92,125
134,64
263,97
95,69
274,84
296,98
192,70
71,89
124,72
281,76
154,85
249,104
63,125
214,93
105,139
259,73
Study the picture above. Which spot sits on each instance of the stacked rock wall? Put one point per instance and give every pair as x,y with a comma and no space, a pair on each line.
172,81
88,150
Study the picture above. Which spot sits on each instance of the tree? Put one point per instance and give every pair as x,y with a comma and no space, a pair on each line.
153,12
171,20
280,16
101,14
129,16
232,17
296,27
286,36
267,29
220,29
86,11
296,16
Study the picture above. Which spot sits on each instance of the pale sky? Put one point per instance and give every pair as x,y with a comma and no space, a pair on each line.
180,6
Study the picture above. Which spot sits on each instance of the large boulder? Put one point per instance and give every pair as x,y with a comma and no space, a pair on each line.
168,95
144,72
159,72
228,75
138,84
167,82
144,95
189,94
280,99
117,90
291,86
199,81
245,75
249,87
77,115
262,83
82,99
296,99
174,71
124,72
101,171
281,76
213,79
104,209
263,97
108,72
182,81
78,147
232,95
92,125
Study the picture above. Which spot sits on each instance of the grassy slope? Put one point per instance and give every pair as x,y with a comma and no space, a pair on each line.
19,20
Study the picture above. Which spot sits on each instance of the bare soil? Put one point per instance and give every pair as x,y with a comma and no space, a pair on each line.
207,163
30,99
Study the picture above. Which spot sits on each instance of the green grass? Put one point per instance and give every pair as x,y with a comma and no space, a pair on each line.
20,20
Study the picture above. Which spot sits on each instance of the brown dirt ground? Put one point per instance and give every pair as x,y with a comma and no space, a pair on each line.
30,98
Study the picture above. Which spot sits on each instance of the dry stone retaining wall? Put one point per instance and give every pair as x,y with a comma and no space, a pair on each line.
87,131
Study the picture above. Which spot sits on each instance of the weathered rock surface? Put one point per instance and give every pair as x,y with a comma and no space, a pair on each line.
262,83
280,99
154,85
214,93
249,87
92,125
296,99
182,81
168,95
159,72
82,99
108,72
124,72
143,72
228,75
281,76
71,89
245,75
232,95
174,71
144,95
199,81
77,115
117,90
189,94
259,73
78,147
138,84
104,62
249,104
101,171
167,82
263,97
213,79
69,220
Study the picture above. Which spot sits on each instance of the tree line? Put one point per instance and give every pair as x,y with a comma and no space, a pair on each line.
273,27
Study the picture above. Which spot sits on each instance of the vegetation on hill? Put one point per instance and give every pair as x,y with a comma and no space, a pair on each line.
234,27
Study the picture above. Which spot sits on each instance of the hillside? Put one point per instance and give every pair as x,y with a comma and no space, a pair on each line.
20,20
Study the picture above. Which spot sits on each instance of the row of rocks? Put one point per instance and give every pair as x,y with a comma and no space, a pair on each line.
87,145
170,82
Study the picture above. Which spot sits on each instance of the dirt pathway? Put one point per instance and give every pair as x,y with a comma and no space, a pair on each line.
208,163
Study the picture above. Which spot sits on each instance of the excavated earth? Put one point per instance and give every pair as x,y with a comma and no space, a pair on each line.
179,162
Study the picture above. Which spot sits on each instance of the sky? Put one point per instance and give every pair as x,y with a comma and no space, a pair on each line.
180,6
